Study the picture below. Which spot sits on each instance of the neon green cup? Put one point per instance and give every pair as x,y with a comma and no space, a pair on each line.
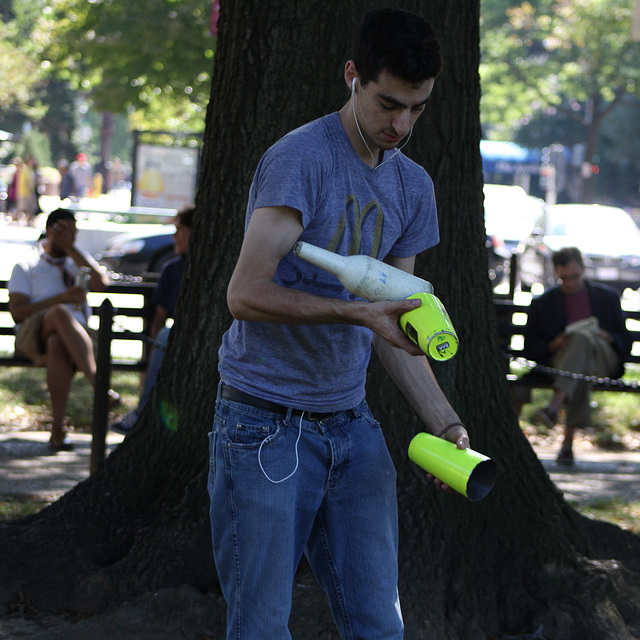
429,326
467,471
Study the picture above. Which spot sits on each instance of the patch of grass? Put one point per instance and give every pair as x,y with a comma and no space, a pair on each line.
615,422
14,507
615,418
625,515
24,400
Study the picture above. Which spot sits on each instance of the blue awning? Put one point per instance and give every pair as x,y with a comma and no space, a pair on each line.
509,158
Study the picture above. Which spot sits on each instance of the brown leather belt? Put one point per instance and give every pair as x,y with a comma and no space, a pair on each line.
235,395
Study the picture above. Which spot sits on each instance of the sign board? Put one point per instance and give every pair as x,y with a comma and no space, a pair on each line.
164,176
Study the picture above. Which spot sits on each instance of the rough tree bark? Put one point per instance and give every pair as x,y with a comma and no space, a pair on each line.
468,570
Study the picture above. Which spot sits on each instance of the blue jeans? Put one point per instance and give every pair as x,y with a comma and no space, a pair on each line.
155,362
281,486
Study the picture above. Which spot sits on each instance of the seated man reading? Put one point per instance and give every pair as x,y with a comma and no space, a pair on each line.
576,326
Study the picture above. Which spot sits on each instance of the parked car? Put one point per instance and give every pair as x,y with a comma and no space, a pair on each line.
509,216
97,227
607,236
140,253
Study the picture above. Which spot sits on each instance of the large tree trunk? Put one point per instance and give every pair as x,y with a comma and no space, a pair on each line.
468,570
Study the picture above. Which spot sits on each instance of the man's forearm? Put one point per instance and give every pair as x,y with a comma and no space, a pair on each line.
268,302
22,311
414,377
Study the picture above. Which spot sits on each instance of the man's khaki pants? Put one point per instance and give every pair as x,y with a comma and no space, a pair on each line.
590,355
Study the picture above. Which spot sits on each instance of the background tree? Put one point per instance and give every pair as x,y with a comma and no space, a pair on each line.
575,59
155,55
33,100
468,571
18,71
148,63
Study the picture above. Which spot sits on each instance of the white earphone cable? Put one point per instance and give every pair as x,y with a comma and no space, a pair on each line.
266,475
353,108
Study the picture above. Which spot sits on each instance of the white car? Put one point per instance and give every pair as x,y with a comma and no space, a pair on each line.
608,238
509,217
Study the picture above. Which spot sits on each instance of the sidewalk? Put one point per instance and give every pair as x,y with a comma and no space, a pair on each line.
596,475
27,468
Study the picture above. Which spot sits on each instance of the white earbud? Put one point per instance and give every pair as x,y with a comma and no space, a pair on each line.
353,85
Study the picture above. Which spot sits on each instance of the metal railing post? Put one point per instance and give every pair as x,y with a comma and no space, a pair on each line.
103,382
513,274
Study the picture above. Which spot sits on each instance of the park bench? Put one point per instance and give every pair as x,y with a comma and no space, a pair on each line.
133,300
511,319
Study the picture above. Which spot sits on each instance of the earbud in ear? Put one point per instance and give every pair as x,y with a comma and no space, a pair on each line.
353,84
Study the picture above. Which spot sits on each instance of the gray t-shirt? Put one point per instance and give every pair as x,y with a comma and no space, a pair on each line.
349,208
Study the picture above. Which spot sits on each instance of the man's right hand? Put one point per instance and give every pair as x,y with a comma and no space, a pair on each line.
64,234
558,342
384,319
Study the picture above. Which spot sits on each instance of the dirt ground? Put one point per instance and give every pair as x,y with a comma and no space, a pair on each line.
170,614
27,468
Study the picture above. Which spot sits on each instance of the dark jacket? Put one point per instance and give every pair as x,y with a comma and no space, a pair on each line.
547,319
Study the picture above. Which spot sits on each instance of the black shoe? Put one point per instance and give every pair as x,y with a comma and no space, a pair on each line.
565,457
125,425
547,416
65,445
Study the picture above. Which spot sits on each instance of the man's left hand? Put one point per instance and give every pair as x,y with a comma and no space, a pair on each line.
459,436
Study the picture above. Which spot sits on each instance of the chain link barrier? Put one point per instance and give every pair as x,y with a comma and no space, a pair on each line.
529,364
605,381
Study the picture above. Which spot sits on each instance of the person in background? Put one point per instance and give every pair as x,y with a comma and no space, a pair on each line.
82,173
67,186
37,209
12,190
165,298
26,185
298,463
51,313
575,326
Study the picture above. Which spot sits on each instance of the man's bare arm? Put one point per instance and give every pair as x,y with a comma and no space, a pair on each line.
414,377
253,295
20,306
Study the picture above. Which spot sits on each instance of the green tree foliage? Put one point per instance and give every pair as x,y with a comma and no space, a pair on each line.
557,68
154,56
570,57
18,71
25,14
150,62
34,105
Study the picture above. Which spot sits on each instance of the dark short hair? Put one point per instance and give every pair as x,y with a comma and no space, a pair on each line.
396,41
185,216
564,256
59,214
